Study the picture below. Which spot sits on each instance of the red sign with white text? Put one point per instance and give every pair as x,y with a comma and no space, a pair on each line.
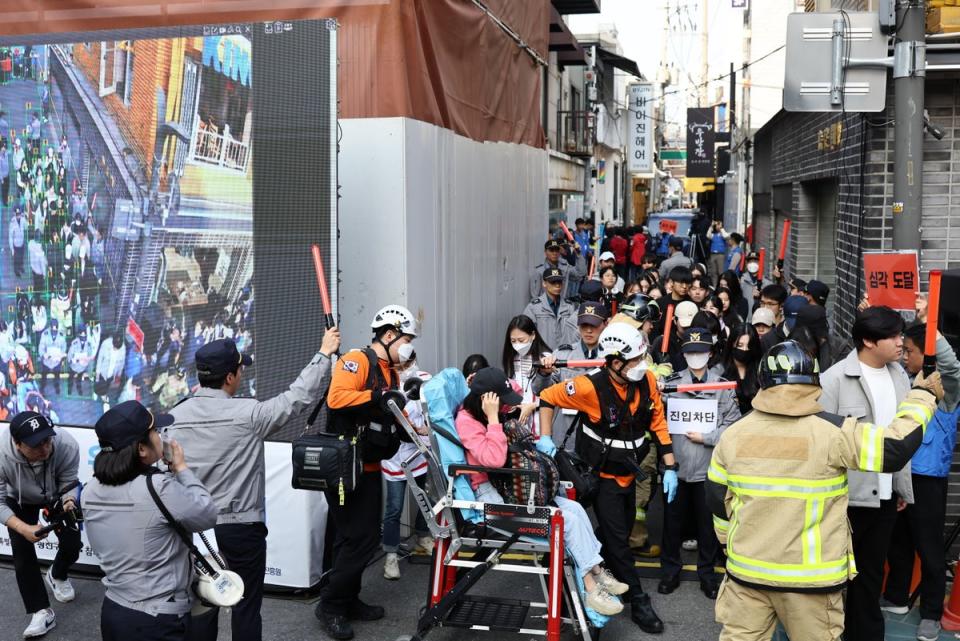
668,227
892,279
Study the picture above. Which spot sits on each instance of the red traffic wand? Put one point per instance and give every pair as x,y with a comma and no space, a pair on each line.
784,239
322,284
933,317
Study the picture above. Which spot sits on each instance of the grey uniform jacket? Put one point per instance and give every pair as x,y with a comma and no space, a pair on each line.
222,439
845,393
562,419
677,260
555,329
573,274
146,565
24,484
694,458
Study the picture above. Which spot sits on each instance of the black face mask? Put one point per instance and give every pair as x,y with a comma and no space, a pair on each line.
742,355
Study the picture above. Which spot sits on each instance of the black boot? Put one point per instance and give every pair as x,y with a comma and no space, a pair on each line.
643,615
360,611
336,625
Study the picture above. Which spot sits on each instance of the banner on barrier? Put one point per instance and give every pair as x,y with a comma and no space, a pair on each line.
296,519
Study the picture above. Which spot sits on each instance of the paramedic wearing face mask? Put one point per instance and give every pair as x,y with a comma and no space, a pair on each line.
363,382
617,406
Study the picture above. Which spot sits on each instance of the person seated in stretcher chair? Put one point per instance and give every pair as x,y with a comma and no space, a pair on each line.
479,424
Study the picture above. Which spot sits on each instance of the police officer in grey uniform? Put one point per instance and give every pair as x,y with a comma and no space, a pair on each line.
556,317
572,274
37,461
591,320
147,567
222,438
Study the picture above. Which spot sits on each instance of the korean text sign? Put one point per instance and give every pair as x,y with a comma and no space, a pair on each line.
892,279
692,415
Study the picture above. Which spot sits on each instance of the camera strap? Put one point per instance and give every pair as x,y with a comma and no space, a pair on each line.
179,529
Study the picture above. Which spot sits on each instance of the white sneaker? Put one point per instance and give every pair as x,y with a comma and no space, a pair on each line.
62,590
603,602
689,545
892,608
40,623
391,567
608,582
425,543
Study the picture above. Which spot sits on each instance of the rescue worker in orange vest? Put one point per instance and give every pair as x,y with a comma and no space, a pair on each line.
777,487
616,407
363,382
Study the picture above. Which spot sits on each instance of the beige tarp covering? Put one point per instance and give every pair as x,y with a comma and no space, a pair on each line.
440,61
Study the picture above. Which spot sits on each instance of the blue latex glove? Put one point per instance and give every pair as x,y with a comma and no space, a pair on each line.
546,445
670,484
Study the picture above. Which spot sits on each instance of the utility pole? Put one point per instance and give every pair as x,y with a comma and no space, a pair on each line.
909,71
704,53
745,118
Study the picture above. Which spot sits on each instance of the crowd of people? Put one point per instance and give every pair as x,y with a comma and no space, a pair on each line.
803,437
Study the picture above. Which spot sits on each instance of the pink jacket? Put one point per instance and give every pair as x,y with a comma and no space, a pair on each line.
485,445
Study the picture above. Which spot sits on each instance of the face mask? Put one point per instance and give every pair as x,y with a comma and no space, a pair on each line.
409,372
522,348
697,361
637,373
753,268
405,352
742,355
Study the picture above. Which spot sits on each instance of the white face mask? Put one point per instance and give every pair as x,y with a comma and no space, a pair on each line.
637,373
753,268
409,372
405,352
522,348
697,361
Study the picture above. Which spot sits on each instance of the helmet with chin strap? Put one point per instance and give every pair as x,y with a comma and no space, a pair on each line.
395,317
620,340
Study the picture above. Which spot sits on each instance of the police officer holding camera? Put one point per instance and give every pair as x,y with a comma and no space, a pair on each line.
222,438
147,566
36,462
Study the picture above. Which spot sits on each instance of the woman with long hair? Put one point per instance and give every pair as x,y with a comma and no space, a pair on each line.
479,424
522,350
731,281
729,315
743,354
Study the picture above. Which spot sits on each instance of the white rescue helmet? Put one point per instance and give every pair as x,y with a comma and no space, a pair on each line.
395,317
623,341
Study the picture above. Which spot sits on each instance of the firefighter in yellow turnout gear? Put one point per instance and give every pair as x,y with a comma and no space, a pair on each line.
777,487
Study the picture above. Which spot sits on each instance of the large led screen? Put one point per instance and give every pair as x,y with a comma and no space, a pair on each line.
161,189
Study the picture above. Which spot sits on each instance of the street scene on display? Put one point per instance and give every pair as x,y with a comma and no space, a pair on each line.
462,319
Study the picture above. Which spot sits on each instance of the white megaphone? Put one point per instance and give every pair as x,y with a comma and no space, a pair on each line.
215,586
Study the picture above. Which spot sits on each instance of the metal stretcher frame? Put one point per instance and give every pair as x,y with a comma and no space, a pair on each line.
446,590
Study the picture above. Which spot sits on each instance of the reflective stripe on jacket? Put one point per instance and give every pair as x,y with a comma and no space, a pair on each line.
777,485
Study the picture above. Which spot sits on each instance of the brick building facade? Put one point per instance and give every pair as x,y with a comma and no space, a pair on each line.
837,188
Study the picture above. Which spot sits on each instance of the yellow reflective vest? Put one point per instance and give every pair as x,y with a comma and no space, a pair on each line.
777,485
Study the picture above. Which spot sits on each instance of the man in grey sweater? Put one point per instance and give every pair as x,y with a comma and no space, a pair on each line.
36,462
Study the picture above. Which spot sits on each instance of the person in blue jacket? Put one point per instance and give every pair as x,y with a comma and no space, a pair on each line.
919,527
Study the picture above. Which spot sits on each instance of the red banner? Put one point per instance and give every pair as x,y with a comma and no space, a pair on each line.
668,227
135,333
892,279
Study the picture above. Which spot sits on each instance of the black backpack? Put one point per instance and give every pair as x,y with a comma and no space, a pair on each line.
522,454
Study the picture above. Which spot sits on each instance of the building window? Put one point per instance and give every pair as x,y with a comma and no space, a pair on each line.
108,80
124,71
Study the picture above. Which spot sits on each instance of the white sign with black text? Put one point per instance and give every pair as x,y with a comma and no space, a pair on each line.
640,130
692,415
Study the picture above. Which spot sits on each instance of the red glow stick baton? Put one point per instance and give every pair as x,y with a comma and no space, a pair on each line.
322,284
763,259
585,364
933,316
700,387
667,326
566,231
784,239
593,265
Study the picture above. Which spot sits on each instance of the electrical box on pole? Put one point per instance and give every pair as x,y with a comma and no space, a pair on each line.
835,62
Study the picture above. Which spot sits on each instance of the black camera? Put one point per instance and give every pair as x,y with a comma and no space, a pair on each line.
60,518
